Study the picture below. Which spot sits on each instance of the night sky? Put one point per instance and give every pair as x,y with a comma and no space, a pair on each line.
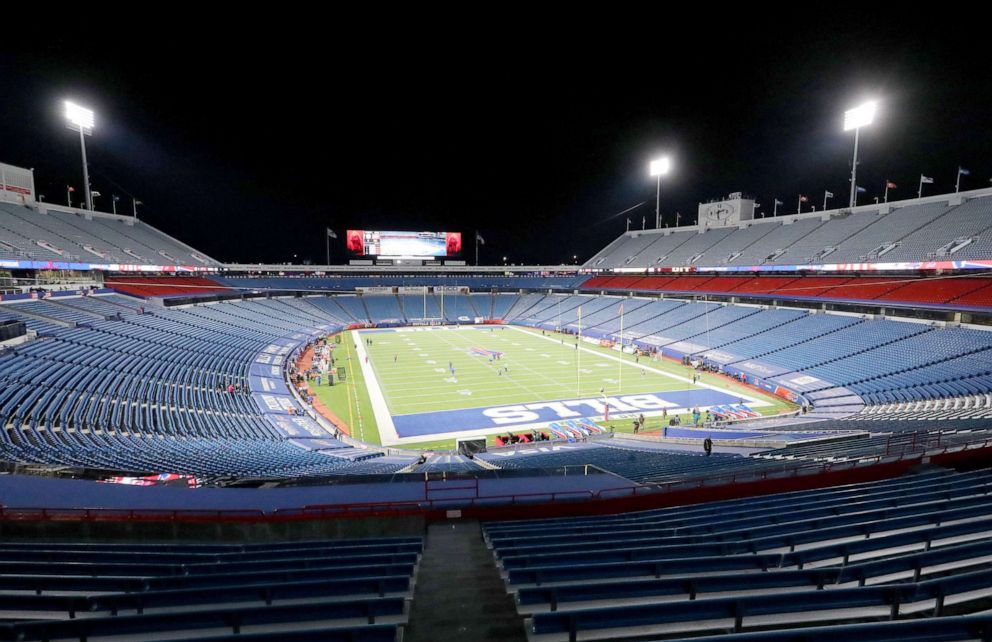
245,137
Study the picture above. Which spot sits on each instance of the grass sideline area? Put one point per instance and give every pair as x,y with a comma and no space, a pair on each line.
412,368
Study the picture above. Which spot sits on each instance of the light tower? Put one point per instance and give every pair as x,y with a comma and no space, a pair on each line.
81,120
856,119
659,168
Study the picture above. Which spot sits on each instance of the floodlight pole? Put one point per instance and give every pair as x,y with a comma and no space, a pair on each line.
86,173
657,205
854,168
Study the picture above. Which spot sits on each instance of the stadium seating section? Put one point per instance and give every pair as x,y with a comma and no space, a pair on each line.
337,590
164,286
953,292
28,235
111,386
880,560
906,232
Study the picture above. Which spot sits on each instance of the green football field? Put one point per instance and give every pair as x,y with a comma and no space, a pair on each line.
408,372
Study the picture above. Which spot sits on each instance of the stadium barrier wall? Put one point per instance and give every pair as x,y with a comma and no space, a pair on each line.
518,506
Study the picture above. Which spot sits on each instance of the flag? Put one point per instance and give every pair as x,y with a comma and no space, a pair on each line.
116,197
778,202
137,202
925,179
70,188
331,234
803,199
479,239
829,194
890,185
861,189
964,172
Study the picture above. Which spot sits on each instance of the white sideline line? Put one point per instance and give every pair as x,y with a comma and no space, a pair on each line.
384,420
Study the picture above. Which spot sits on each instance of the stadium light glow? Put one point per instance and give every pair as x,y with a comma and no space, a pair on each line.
78,115
658,168
855,119
859,116
82,120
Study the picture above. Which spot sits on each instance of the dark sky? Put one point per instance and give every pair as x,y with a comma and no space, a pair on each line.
246,135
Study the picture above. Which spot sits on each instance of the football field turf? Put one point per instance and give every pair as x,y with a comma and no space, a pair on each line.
429,384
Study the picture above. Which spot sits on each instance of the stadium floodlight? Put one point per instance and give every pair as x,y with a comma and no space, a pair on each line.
856,119
859,116
79,116
658,168
82,120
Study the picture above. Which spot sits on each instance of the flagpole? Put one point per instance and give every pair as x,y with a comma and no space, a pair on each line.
919,192
477,248
327,239
886,191
957,184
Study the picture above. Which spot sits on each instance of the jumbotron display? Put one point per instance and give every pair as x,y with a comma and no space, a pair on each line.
403,244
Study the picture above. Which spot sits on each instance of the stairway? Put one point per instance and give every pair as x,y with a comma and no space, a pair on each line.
459,593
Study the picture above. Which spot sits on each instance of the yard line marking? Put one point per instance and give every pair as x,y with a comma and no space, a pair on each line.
642,366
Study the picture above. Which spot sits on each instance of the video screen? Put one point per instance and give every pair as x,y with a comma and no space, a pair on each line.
403,244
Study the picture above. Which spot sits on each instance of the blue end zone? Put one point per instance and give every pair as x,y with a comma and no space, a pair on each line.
494,417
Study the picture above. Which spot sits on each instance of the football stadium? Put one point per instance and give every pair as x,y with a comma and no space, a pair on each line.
769,418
